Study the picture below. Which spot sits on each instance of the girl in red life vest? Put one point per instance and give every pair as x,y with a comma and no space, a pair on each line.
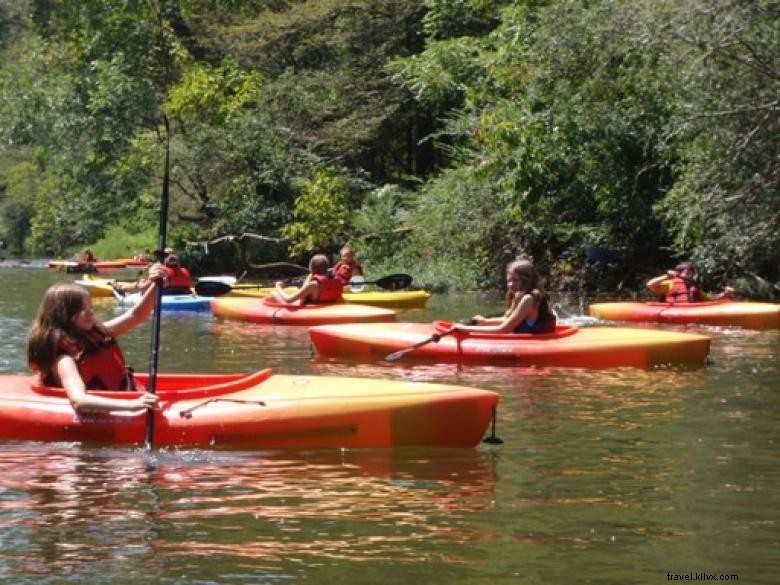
348,266
680,286
69,348
528,308
177,278
318,286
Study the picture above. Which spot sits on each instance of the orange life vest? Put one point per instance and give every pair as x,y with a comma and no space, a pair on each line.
330,289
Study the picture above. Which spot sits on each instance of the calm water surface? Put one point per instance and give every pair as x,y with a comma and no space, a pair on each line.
617,476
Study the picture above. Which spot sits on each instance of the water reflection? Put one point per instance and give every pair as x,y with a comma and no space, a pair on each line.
69,507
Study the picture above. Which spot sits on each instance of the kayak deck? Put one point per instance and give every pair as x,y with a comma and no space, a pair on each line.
749,315
266,311
592,347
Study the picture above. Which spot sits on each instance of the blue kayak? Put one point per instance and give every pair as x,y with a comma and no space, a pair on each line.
170,302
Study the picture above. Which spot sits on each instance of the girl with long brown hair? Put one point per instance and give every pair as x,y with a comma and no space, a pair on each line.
69,348
528,308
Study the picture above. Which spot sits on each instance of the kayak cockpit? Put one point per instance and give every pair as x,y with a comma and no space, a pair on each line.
174,387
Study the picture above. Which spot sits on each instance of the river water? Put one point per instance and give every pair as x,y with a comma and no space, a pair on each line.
612,476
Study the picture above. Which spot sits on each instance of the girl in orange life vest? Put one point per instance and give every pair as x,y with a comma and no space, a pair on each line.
528,309
66,344
318,286
348,266
680,286
177,278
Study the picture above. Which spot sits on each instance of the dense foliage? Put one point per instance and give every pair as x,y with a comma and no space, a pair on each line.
439,136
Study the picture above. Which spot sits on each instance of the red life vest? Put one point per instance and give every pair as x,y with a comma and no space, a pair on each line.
343,270
330,288
102,365
682,291
178,278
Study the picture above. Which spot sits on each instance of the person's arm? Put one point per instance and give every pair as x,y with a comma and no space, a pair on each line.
188,276
660,284
308,289
140,311
83,401
505,324
343,272
727,293
480,320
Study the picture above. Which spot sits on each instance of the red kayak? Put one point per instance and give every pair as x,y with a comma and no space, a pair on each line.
724,313
269,310
259,410
568,346
76,266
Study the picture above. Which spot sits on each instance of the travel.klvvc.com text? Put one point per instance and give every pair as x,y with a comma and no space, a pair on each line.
700,577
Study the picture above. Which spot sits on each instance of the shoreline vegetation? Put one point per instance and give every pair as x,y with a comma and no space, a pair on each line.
438,138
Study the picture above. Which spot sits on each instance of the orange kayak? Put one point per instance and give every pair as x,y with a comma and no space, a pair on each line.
133,261
568,346
259,410
268,310
724,313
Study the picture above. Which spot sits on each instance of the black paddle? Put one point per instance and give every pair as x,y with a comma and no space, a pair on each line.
214,288
390,282
432,339
151,382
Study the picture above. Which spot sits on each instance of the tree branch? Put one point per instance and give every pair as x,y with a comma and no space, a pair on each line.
231,237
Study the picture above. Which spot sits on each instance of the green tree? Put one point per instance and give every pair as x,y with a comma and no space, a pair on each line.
321,218
724,209
559,120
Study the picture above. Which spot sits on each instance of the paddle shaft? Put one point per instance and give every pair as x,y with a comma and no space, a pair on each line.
432,339
209,288
391,281
162,233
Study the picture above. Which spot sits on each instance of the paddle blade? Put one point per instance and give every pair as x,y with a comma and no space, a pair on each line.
231,280
212,288
394,281
357,284
394,357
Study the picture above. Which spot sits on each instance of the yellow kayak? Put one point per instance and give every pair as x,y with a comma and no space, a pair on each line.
96,287
393,299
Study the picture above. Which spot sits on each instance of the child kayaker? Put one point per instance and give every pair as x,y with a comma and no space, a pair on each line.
528,308
680,286
177,278
69,348
318,287
347,267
